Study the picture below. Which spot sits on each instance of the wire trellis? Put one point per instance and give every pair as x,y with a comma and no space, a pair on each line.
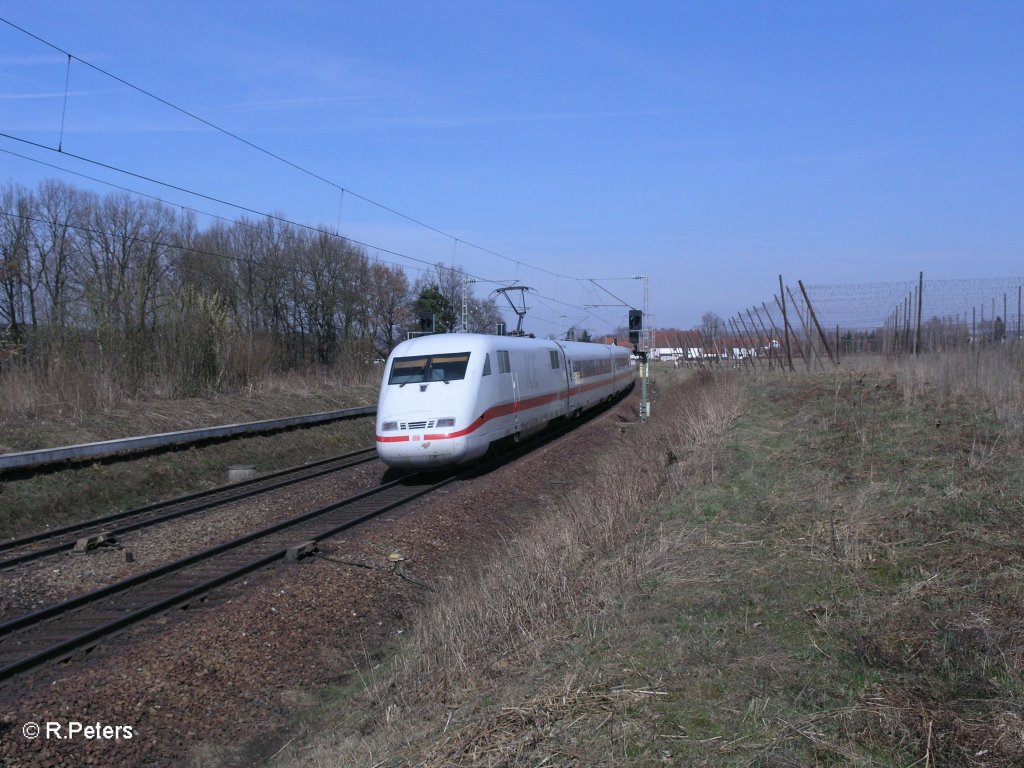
811,325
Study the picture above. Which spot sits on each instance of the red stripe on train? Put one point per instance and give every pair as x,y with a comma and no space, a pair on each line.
500,410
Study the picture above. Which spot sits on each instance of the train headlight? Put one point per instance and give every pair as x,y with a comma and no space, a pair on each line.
389,426
446,422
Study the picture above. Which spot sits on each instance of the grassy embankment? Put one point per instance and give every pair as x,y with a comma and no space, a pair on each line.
40,420
793,571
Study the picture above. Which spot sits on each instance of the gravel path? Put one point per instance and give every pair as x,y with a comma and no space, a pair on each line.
224,683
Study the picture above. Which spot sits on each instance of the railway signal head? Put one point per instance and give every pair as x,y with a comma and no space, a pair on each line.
636,324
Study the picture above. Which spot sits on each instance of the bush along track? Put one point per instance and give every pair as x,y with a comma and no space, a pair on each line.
829,576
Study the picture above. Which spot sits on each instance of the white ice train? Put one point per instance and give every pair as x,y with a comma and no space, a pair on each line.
446,398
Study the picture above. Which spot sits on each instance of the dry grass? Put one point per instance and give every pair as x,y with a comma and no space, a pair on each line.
70,385
568,712
57,390
990,377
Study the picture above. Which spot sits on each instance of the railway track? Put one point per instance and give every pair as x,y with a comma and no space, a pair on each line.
62,629
39,545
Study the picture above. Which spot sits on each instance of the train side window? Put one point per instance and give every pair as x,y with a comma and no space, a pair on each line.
554,358
503,362
487,365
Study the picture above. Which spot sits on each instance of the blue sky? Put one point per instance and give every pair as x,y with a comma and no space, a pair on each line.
708,145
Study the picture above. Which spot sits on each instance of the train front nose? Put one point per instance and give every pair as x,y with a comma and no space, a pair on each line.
418,453
415,441
421,404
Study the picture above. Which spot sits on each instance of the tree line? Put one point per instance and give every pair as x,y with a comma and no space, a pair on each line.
139,289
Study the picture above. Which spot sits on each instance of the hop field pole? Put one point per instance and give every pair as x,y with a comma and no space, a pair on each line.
1018,312
800,331
901,321
768,339
799,349
890,336
1016,336
749,336
739,337
911,304
1006,318
775,330
898,331
785,323
751,341
907,343
731,349
920,294
806,340
821,333
810,358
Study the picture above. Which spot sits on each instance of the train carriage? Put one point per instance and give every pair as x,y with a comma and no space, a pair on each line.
446,398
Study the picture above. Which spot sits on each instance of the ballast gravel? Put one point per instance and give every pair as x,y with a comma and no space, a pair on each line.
32,586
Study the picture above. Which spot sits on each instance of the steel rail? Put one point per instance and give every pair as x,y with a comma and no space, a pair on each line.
143,517
86,451
18,652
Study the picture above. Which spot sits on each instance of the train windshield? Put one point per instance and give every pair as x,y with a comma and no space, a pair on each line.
424,368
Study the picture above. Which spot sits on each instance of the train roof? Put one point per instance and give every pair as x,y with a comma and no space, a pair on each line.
482,342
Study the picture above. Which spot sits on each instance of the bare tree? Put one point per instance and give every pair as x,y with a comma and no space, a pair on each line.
712,328
16,207
390,306
483,315
56,240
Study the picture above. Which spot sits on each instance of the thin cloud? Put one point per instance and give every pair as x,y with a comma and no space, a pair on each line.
53,95
467,121
298,103
32,61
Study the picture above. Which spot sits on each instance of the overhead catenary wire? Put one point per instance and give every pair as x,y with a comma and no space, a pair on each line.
274,217
235,136
267,152
342,190
238,222
219,201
